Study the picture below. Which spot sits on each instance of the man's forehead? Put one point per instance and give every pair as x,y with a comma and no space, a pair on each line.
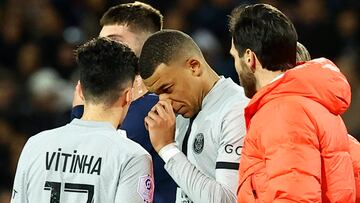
158,78
122,34
115,29
123,28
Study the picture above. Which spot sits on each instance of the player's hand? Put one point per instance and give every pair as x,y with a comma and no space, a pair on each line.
77,100
160,123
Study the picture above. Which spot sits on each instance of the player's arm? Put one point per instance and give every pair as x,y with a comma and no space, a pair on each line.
233,132
136,182
292,155
19,193
198,186
201,188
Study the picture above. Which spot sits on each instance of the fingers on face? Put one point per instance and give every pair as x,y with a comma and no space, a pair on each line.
153,115
161,112
166,104
163,109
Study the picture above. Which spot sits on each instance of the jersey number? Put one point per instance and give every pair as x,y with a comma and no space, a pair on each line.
54,187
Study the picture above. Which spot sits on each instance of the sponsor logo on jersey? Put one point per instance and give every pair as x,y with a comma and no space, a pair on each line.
146,188
229,148
198,144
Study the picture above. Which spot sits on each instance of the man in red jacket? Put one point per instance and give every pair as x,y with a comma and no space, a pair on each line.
302,55
296,148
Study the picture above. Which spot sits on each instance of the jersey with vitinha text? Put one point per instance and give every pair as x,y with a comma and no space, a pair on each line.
207,169
83,162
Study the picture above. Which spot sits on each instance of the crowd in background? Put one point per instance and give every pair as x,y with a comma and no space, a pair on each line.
38,72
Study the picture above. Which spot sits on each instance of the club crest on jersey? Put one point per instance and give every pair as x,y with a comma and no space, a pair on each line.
146,188
198,144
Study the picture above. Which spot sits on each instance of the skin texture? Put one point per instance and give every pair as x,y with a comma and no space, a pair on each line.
135,41
169,83
251,73
161,124
124,34
181,86
114,114
246,76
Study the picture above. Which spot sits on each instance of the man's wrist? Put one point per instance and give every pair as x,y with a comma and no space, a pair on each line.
168,151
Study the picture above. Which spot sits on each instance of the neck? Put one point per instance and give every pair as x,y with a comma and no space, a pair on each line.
212,78
265,77
139,88
94,112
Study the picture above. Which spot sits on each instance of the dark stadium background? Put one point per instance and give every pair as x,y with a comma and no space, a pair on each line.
38,73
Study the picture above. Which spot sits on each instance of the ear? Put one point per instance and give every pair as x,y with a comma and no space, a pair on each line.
79,90
126,97
195,66
250,59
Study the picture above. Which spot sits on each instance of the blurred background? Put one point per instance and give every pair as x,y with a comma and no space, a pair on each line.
38,72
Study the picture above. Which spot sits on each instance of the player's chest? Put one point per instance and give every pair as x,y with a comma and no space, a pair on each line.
198,141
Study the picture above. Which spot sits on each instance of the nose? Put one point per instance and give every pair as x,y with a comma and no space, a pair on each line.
166,97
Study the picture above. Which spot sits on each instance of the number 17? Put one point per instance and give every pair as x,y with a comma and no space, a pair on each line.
54,187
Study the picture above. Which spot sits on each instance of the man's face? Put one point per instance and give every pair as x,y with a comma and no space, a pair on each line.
123,34
246,76
177,84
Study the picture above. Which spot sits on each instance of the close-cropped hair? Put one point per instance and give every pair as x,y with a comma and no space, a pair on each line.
266,31
138,16
106,69
163,47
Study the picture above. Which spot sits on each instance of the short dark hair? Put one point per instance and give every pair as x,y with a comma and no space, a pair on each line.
106,68
163,47
137,15
267,32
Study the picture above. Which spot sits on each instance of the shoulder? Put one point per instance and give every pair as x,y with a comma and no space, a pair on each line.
283,114
35,144
138,110
282,121
149,99
280,108
287,105
233,95
151,96
125,145
46,135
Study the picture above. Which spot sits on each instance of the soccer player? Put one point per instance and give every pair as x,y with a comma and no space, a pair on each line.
89,160
296,147
132,24
209,126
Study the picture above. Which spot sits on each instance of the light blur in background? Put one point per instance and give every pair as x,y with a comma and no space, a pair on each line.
38,72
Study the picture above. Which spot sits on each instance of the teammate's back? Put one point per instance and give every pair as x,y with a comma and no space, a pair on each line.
84,161
88,160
